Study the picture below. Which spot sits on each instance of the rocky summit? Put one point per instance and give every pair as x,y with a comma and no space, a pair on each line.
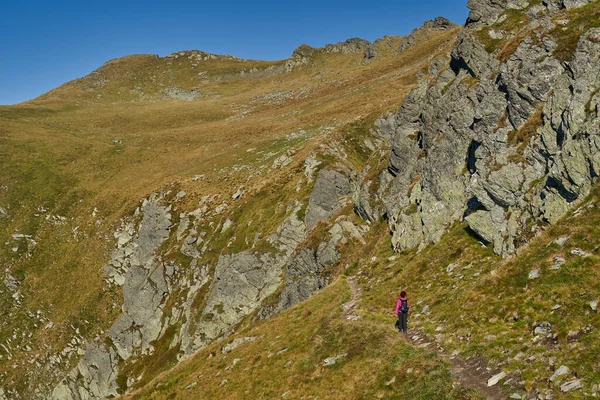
205,226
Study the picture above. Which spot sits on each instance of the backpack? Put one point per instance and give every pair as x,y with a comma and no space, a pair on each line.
403,306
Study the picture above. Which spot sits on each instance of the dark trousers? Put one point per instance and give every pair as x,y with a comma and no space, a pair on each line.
402,322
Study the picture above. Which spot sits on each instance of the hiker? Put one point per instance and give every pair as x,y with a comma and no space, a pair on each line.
402,308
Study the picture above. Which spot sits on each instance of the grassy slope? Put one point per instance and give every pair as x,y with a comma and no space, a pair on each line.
480,305
485,308
489,307
83,147
287,361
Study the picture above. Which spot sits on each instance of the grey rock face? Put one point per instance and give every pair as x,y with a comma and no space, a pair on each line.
242,281
452,155
486,12
370,53
240,284
145,281
575,3
144,292
138,250
439,23
329,187
353,45
304,271
469,54
95,376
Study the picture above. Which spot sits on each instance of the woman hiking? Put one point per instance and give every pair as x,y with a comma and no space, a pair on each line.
402,308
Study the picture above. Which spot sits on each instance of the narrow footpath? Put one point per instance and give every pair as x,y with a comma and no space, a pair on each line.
471,373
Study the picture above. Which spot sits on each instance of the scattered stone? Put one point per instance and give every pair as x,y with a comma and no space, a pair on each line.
579,253
451,268
332,360
238,194
573,335
425,309
534,274
543,329
594,305
282,351
191,385
281,161
571,385
516,396
310,165
558,261
563,370
177,93
180,195
562,240
496,378
388,383
556,307
494,34
226,225
237,342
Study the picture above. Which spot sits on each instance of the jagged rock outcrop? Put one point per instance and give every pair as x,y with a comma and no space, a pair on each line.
146,283
237,285
352,45
439,23
486,12
94,377
371,53
498,142
436,24
305,54
329,187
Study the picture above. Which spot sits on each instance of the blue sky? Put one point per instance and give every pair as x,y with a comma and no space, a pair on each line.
44,43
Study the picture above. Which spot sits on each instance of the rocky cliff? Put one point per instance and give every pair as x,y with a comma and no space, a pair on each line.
501,133
504,136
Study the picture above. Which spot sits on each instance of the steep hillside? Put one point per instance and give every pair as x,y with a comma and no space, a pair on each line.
160,203
205,226
490,195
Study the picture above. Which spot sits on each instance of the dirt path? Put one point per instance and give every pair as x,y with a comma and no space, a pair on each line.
351,308
471,373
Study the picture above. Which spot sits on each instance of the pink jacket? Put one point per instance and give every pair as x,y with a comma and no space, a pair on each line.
399,303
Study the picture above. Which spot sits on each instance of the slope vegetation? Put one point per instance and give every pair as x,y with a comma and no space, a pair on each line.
173,165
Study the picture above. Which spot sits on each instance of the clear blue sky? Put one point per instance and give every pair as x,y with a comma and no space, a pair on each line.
45,43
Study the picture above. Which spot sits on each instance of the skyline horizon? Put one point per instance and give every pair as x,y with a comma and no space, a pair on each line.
255,35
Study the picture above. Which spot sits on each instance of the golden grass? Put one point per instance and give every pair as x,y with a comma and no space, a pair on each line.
94,144
287,358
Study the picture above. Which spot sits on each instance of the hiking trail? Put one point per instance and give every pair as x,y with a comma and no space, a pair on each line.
471,373
351,307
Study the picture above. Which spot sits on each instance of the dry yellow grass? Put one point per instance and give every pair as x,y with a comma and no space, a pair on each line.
107,140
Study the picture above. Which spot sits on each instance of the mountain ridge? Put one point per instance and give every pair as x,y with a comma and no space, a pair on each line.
460,165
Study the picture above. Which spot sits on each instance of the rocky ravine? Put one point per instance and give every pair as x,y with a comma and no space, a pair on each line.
506,143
